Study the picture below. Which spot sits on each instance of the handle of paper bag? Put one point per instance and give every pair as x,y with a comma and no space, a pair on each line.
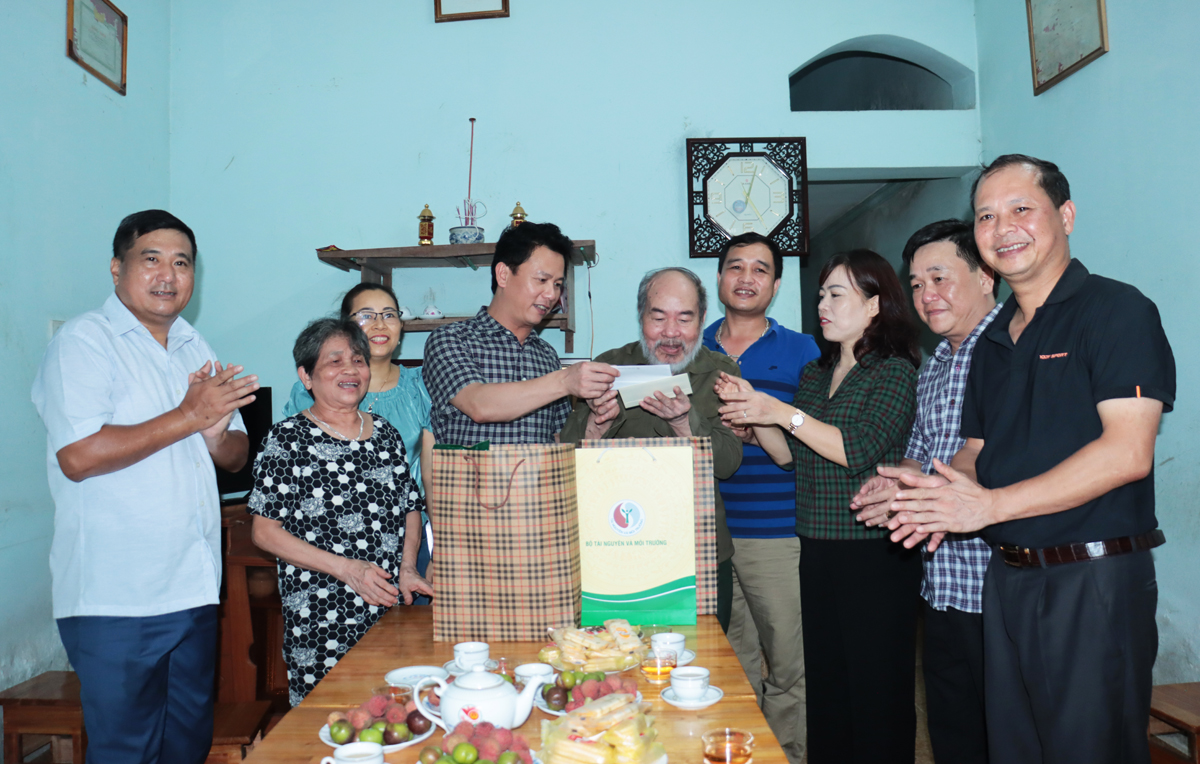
478,479
606,450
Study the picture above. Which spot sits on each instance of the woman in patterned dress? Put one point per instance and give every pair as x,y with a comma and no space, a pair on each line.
334,500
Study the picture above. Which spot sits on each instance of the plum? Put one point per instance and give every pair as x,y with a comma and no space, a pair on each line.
417,723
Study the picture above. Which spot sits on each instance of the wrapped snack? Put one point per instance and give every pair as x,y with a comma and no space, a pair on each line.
623,635
612,730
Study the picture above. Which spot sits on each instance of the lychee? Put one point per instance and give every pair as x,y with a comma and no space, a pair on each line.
377,705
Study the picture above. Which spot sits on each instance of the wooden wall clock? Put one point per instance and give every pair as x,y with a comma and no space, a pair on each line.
738,185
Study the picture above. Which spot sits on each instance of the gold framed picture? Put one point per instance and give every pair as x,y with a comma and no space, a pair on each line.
1064,37
465,10
97,33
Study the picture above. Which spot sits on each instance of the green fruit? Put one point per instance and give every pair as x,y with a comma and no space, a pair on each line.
380,725
370,735
430,754
465,753
510,681
341,732
568,679
484,761
596,675
508,757
445,760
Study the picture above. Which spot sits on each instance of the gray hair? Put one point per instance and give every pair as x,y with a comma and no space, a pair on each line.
643,294
308,345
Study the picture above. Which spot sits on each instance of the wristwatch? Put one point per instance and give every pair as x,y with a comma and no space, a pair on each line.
797,420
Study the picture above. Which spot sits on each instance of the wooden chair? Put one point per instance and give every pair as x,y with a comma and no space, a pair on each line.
1175,708
237,727
48,704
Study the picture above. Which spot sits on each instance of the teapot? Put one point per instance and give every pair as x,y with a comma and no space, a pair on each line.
479,696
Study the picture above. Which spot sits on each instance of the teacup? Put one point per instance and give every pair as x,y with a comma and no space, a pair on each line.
356,753
470,654
689,682
527,672
668,641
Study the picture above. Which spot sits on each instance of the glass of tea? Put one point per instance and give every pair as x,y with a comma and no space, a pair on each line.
658,665
400,693
728,746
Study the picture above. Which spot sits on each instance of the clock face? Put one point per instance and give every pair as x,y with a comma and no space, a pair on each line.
748,193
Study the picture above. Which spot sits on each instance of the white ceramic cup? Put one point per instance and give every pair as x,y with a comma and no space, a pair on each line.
528,671
470,654
689,682
356,753
668,640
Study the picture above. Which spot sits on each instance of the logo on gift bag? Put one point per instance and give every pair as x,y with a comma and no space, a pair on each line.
627,518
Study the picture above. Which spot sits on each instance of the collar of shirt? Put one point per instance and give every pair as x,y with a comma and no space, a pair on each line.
1068,284
943,353
123,321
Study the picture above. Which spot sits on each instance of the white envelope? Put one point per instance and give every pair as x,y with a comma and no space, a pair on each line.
632,395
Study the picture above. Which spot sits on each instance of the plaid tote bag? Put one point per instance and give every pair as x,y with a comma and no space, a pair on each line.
706,509
506,530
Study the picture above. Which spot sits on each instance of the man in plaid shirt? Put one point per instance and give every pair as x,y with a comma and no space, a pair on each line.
492,377
954,294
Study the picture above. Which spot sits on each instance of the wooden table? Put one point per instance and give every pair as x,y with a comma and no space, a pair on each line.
404,637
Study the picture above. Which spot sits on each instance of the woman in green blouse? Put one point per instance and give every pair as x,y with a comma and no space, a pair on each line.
396,393
859,591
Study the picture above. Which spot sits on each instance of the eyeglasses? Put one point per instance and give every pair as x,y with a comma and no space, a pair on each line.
364,317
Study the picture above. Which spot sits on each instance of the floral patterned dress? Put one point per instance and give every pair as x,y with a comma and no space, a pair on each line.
345,497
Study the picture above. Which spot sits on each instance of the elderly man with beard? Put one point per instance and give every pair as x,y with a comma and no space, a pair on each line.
671,305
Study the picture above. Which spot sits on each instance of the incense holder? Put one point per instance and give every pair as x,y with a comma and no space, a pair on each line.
466,234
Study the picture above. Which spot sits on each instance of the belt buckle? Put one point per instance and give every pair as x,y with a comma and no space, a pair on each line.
1095,549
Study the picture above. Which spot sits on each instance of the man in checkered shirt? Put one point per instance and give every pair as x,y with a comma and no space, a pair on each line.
954,294
492,377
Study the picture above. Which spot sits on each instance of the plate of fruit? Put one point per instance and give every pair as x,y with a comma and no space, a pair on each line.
571,688
379,720
469,743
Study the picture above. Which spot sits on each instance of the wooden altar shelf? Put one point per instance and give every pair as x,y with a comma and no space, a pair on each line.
376,266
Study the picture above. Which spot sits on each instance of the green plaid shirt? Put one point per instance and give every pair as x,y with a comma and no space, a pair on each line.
874,408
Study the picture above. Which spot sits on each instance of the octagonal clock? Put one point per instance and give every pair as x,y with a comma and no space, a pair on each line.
739,185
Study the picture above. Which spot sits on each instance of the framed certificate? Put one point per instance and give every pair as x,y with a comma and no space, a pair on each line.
464,10
97,32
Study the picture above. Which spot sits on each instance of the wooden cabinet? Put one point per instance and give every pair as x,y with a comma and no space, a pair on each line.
376,266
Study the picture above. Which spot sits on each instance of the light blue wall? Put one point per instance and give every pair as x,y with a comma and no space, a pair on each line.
75,157
302,124
1123,130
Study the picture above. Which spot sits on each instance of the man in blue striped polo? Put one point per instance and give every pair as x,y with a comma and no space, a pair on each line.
760,498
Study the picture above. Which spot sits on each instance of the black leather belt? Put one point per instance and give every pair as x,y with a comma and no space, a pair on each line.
1023,557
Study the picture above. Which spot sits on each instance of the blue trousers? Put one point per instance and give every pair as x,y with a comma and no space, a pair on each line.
147,685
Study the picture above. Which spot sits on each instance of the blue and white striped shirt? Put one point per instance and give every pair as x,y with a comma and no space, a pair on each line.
954,573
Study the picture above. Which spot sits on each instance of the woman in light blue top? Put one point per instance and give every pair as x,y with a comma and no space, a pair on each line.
396,393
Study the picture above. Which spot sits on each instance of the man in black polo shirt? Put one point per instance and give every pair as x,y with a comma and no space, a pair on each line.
1061,411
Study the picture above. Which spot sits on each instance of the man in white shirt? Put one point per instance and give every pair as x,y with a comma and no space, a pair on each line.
137,411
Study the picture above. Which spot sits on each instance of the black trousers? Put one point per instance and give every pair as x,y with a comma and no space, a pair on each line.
953,668
860,601
725,593
1068,653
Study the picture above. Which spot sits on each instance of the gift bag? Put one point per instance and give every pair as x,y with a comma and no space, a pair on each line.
506,565
665,484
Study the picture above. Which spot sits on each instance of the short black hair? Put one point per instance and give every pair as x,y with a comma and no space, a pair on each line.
307,349
518,242
745,239
357,289
1050,178
144,222
961,234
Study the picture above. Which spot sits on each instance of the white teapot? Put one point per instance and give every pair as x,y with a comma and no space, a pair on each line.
480,696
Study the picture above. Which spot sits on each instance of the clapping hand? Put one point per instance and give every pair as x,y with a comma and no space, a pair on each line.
929,506
213,395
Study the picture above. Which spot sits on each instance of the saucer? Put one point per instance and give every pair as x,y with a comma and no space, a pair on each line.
454,669
410,675
710,696
686,657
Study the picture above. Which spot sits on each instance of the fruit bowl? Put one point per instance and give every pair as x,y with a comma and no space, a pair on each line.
327,740
540,702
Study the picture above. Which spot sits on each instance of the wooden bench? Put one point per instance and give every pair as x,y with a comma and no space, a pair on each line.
1175,708
48,704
